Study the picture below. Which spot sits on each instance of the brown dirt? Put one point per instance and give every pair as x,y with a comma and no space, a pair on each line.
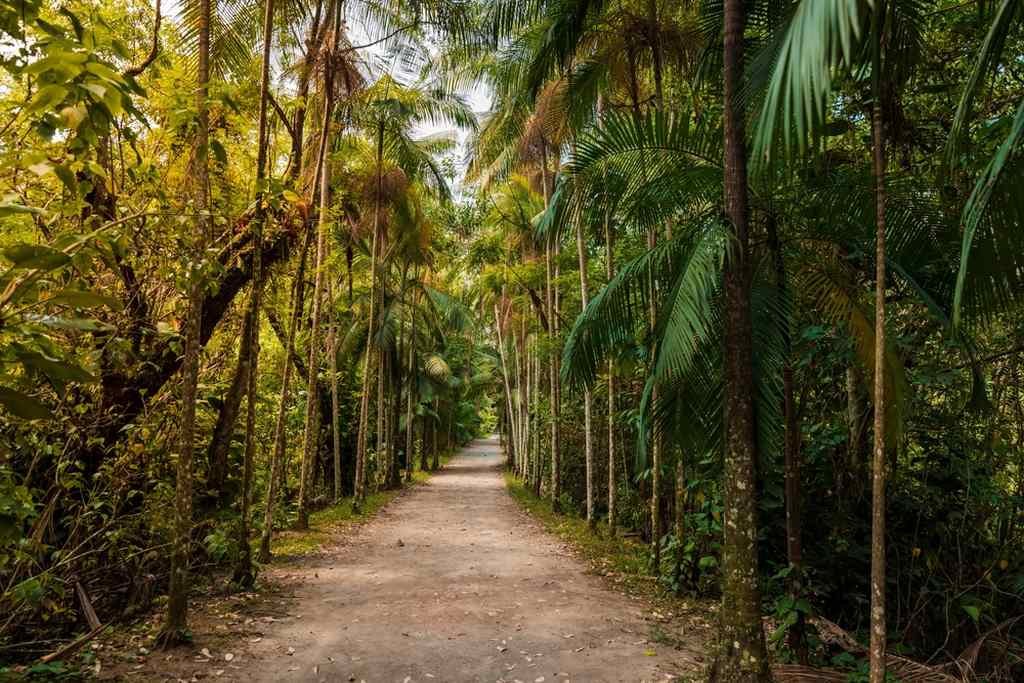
450,582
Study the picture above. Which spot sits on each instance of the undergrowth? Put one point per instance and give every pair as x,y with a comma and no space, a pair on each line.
325,524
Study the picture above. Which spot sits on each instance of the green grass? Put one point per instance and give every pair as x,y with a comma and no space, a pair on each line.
327,523
624,560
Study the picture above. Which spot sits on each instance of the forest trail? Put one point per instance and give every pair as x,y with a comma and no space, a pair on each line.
453,582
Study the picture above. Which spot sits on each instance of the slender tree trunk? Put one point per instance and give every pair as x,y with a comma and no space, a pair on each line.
276,467
518,402
364,401
610,273
507,380
791,450
436,454
411,390
175,628
538,462
313,40
680,515
379,399
223,431
878,619
552,306
311,440
244,576
742,654
332,345
656,530
428,427
655,40
524,395
588,441
528,398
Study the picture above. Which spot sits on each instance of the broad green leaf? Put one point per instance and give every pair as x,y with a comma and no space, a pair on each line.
77,324
20,405
58,370
84,299
35,256
48,97
11,209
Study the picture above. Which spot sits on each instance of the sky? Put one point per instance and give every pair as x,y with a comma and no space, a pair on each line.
479,98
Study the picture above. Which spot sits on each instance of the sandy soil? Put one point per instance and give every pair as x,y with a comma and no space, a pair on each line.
451,582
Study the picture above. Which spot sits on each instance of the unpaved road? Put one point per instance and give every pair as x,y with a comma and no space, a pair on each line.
453,582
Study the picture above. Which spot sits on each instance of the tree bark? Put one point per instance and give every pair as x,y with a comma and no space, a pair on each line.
276,466
312,431
878,620
335,404
588,441
364,402
410,390
175,628
549,293
244,576
742,654
220,442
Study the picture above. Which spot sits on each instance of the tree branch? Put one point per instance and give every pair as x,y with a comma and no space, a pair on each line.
153,51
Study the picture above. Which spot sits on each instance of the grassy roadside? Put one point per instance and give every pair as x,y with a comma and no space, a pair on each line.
681,623
325,524
221,619
623,560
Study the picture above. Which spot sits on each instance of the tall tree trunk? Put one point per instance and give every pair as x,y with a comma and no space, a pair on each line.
276,466
411,389
654,36
742,654
244,576
791,452
220,443
507,381
314,39
552,310
680,516
332,345
610,273
311,439
656,530
436,453
364,400
524,394
538,462
175,628
878,628
588,441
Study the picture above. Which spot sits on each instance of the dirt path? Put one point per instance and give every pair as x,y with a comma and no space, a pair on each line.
453,582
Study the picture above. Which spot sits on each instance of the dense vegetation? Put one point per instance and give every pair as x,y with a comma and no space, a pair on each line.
740,277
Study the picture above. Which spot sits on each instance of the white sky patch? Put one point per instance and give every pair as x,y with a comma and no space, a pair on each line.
375,57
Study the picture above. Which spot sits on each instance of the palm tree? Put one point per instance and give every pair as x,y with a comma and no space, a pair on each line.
820,38
312,428
390,110
243,572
